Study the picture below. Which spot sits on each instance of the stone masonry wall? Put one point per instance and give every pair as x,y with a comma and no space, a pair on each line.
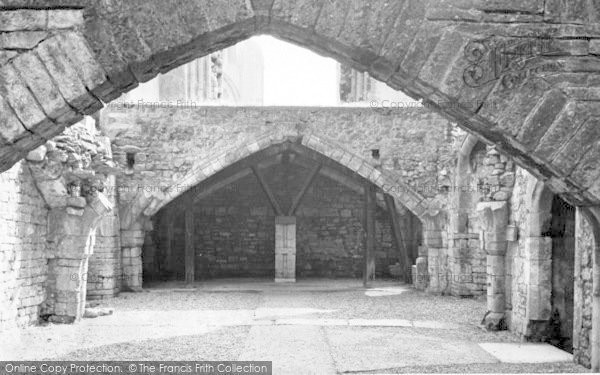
235,230
521,272
584,255
516,262
168,142
23,263
467,256
104,266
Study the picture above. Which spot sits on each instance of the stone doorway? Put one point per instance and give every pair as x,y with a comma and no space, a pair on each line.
561,229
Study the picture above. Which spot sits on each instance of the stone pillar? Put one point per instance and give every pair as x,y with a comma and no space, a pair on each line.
538,277
464,279
104,269
494,222
71,238
421,279
435,253
285,249
132,241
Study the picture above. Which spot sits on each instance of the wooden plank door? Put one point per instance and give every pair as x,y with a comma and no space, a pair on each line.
285,249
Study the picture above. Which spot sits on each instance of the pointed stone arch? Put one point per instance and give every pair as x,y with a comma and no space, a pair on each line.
93,51
538,254
146,204
462,181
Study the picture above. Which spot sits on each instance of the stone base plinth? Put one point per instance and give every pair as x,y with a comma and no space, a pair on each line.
494,321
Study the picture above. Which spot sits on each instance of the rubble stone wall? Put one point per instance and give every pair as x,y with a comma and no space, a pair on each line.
23,258
235,230
168,142
104,275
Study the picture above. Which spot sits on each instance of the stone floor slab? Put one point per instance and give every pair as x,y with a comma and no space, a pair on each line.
526,352
370,349
294,350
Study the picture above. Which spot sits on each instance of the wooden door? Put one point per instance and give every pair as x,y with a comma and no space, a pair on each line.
285,249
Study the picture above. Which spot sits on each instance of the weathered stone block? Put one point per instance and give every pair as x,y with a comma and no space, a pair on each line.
22,102
595,46
538,248
35,75
37,155
77,202
494,321
64,18
65,75
23,19
11,128
22,39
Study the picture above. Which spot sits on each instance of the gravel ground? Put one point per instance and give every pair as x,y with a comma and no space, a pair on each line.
165,300
410,305
233,319
346,299
223,344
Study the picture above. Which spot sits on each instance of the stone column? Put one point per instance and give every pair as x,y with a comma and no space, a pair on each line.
434,252
538,276
71,238
132,240
494,222
105,264
464,279
421,278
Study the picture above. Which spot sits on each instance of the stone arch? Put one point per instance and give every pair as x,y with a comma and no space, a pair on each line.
101,50
146,204
462,180
550,252
462,250
540,202
538,252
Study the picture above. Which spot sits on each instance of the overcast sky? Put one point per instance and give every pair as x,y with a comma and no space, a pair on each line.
297,76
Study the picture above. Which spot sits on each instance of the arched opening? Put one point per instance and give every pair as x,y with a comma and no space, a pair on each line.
552,269
561,229
284,212
104,51
94,58
475,182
